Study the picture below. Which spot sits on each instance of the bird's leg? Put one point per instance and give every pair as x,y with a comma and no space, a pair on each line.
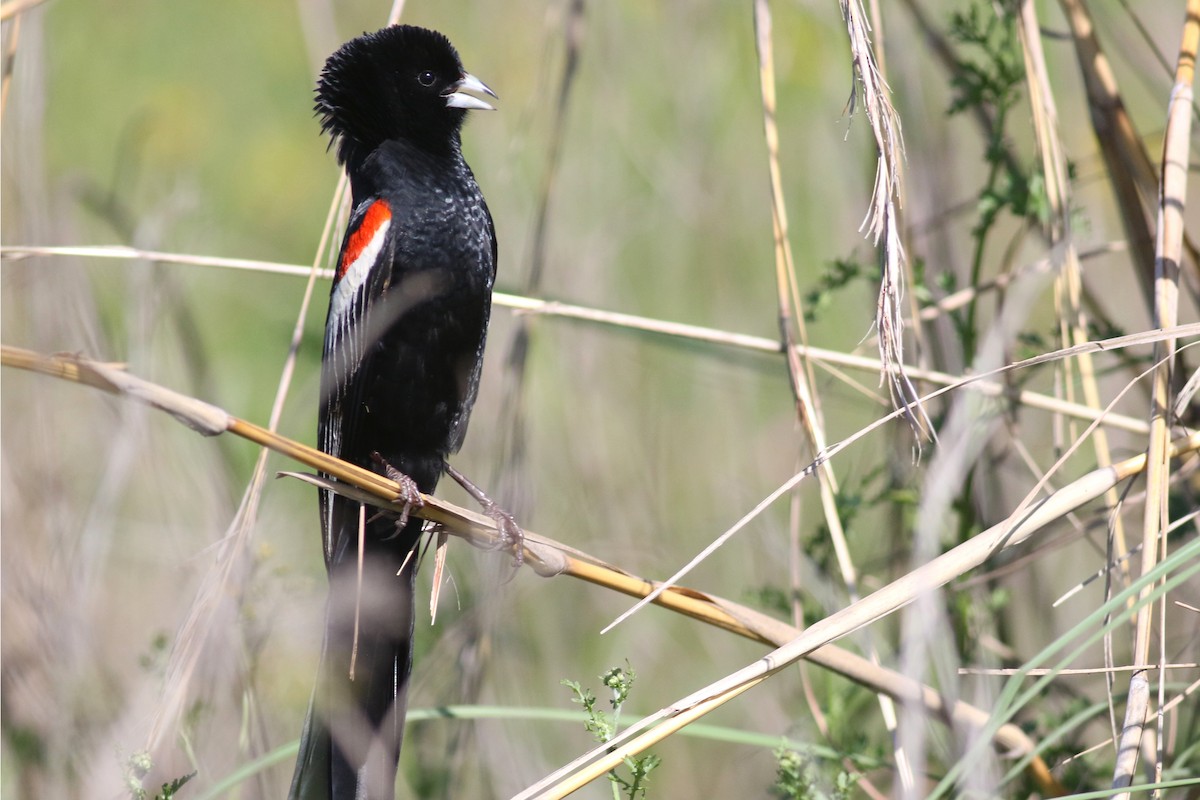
507,526
410,493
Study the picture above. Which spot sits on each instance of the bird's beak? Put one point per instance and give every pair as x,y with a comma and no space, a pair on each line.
455,98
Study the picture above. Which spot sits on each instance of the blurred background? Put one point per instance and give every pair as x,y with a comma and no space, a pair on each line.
188,128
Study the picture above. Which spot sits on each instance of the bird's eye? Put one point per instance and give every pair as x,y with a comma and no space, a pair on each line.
426,78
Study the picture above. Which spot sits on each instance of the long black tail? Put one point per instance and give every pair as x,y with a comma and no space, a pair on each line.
350,744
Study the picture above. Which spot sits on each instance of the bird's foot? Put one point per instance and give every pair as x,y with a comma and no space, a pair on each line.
409,495
510,532
511,535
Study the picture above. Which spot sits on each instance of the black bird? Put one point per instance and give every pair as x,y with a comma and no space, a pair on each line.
404,338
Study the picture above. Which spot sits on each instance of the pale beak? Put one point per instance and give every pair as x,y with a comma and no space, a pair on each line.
455,98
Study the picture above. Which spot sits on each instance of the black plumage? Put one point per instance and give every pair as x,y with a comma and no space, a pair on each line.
404,342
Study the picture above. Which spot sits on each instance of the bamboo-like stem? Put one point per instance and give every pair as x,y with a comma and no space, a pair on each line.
1168,252
1126,161
1069,281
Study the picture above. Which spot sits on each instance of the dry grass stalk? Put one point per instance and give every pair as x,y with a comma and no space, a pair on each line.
231,566
13,35
1009,533
13,8
1167,257
713,610
882,217
1179,331
548,558
699,333
800,373
1069,281
1127,164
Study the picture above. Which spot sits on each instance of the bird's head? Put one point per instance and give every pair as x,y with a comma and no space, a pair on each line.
401,82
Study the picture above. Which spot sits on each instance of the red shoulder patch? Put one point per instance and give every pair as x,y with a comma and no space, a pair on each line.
378,214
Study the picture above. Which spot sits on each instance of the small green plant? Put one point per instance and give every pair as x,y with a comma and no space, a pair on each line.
797,778
154,660
990,84
604,726
136,769
837,275
1060,725
973,613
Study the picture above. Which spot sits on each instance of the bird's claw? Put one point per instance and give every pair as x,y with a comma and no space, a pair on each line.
511,535
408,495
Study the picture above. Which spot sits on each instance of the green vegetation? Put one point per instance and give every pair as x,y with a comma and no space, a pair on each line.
188,129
